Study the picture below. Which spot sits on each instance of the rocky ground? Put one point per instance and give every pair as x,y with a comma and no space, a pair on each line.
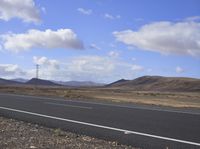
20,135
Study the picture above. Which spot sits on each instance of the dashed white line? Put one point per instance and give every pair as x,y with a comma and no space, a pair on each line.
104,127
68,105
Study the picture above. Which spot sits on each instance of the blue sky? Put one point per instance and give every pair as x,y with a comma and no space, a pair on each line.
101,40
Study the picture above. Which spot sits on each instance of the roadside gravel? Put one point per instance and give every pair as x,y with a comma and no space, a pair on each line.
20,135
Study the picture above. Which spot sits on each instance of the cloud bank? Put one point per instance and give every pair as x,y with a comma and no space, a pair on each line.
48,39
81,68
179,69
22,9
50,63
98,68
182,38
85,11
111,17
11,70
94,46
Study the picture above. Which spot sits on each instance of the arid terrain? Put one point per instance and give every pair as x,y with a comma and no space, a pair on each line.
171,92
111,94
154,90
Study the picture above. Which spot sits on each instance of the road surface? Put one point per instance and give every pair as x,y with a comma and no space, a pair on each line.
137,125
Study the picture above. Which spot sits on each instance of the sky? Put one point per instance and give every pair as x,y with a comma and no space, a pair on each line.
99,40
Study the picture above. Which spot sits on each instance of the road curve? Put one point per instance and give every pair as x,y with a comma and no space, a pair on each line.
136,125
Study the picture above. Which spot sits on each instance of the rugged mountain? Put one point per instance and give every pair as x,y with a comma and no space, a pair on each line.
21,80
78,83
158,83
118,83
8,82
35,81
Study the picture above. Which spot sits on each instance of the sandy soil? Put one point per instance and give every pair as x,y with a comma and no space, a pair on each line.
172,99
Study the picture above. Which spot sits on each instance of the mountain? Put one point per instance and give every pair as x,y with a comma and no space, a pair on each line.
159,83
8,82
21,80
119,82
78,83
35,81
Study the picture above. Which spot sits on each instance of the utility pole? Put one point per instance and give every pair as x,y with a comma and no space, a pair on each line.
37,76
37,71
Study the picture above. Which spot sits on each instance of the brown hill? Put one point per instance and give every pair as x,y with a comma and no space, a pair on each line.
158,83
8,82
35,81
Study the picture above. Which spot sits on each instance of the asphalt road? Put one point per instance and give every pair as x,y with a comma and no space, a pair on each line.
137,125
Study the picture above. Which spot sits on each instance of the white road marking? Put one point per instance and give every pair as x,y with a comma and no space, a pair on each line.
67,105
105,104
104,127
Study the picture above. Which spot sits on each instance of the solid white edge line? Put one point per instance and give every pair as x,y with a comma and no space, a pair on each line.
104,104
104,127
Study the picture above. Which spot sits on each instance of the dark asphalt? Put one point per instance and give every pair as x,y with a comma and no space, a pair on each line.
148,127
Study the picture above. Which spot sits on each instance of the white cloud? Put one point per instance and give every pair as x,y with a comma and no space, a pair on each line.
44,10
113,53
99,68
10,70
182,38
48,39
193,18
108,16
48,68
81,68
77,68
179,69
85,11
91,65
137,68
94,46
94,68
111,17
1,48
23,9
44,61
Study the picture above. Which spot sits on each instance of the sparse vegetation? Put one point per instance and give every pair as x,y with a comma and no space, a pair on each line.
173,99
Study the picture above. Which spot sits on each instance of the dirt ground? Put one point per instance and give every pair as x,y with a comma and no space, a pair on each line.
172,99
20,135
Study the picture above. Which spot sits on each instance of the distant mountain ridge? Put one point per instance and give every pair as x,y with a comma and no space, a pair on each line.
21,80
145,83
78,83
8,82
121,81
159,83
35,81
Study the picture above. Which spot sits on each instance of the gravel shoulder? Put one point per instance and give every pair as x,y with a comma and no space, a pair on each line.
21,135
